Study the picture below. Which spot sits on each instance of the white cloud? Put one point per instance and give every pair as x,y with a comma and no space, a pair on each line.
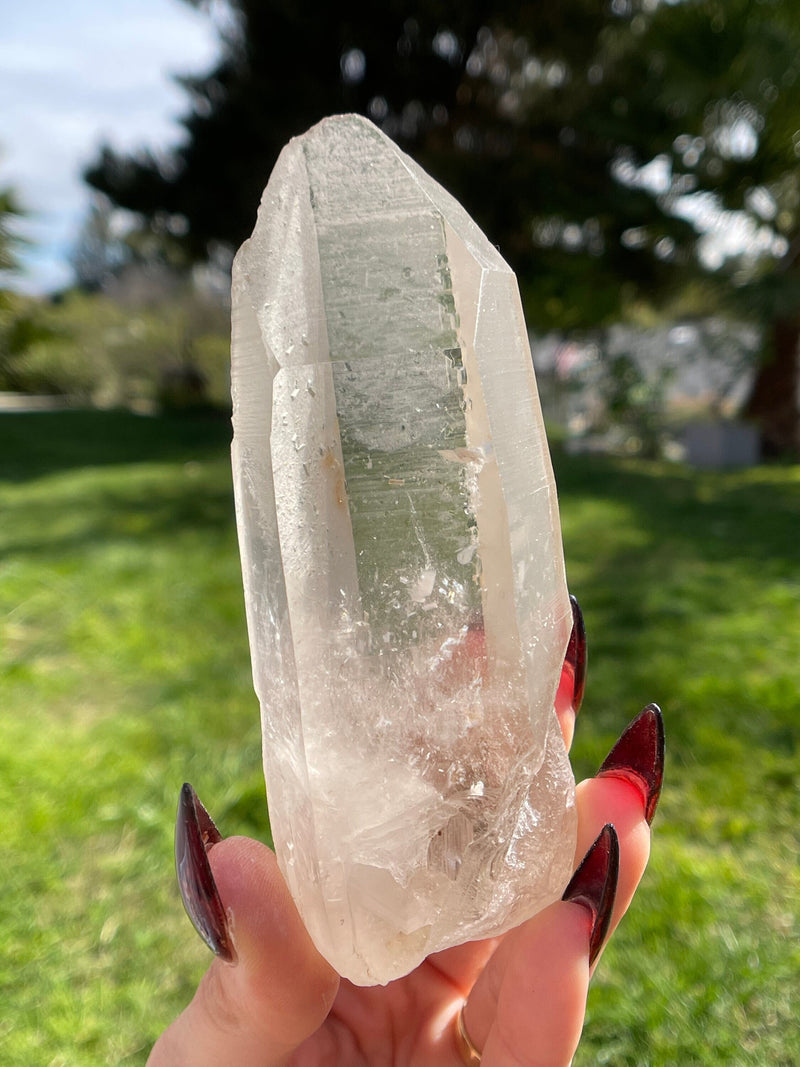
74,75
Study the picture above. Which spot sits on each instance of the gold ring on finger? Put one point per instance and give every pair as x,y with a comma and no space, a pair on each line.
469,1054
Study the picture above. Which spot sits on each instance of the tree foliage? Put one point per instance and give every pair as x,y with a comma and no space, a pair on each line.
17,328
587,139
10,240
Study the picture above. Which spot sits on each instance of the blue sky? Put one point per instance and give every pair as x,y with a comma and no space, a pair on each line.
75,74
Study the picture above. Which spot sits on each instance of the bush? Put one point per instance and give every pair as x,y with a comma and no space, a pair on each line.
171,351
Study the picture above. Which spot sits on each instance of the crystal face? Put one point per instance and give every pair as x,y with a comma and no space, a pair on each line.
404,578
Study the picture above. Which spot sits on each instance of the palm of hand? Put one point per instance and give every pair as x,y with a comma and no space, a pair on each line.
402,1023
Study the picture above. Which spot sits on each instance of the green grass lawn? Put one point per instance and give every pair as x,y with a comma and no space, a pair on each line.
125,670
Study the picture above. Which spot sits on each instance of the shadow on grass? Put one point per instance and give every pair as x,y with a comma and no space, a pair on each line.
34,444
721,516
137,513
190,494
690,599
750,516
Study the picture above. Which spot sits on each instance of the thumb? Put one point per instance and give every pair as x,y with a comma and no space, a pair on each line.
276,990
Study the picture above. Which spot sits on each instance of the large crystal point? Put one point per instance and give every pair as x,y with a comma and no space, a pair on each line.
403,570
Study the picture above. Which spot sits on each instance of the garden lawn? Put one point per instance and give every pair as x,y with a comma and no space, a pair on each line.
124,671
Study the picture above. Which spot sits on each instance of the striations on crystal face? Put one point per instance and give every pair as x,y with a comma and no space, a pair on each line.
404,577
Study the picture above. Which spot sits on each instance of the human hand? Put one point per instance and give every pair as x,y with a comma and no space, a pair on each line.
270,999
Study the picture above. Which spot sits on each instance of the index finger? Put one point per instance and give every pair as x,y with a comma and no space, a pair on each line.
258,1009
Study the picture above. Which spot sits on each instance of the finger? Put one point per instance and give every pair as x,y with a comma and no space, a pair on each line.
625,792
540,1023
529,1004
255,1011
572,683
541,998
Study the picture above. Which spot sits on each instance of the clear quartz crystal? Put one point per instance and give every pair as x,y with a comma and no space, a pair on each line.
404,577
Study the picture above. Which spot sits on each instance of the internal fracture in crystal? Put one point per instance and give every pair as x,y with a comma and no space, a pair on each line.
401,550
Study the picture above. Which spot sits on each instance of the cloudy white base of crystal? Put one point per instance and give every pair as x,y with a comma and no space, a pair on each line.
404,577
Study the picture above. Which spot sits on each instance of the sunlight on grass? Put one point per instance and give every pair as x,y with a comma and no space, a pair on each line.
125,670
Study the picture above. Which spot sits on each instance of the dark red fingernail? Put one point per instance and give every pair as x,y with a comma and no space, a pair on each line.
594,885
195,833
638,756
576,653
573,672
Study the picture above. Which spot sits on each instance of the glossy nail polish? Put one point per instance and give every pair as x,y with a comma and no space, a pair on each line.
638,757
195,833
594,885
573,673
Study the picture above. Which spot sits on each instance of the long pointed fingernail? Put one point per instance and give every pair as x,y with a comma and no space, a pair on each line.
594,885
573,673
195,833
638,757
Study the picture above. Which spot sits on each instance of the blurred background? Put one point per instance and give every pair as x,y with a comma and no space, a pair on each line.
638,164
